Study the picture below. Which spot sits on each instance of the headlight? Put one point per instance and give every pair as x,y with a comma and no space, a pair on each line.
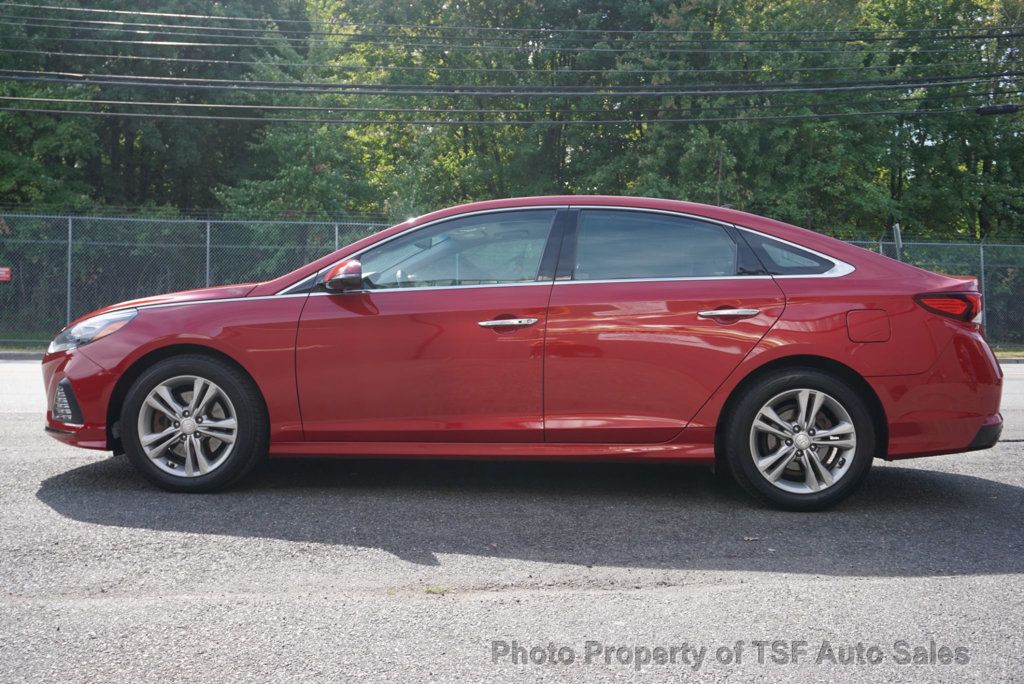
91,329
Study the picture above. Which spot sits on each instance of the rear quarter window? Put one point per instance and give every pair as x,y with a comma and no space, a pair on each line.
781,258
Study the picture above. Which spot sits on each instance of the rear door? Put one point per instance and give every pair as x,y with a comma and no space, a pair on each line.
649,313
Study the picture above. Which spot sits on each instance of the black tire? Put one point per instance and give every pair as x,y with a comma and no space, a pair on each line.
252,435
739,456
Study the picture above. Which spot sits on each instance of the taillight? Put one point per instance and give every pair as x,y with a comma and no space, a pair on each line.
963,306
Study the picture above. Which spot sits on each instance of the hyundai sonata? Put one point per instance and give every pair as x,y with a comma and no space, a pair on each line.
547,328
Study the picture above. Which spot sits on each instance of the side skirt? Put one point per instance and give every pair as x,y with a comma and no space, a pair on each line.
693,453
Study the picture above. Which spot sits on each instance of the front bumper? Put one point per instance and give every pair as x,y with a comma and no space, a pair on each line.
81,389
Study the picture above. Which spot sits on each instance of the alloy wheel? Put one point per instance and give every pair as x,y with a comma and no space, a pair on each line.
187,426
803,441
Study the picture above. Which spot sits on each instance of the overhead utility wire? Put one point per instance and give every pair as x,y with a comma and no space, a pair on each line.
304,36
614,71
306,22
462,47
506,110
490,91
507,93
472,122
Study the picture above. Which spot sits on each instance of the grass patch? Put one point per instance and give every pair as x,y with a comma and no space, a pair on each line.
1009,351
18,340
23,346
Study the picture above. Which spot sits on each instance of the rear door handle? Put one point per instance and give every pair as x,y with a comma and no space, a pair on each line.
728,313
507,323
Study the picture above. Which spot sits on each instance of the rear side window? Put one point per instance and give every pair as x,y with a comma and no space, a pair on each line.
785,259
618,245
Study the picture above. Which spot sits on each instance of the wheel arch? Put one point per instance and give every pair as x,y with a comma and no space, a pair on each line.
139,366
821,363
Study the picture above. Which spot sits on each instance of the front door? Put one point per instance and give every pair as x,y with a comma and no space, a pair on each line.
445,342
634,346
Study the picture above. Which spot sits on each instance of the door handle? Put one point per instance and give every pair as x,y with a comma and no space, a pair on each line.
507,323
728,313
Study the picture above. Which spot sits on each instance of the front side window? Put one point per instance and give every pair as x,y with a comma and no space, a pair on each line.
615,245
486,249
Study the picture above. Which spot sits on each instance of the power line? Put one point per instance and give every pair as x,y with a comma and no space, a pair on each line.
304,36
691,93
447,110
496,91
306,22
462,47
478,122
494,70
445,46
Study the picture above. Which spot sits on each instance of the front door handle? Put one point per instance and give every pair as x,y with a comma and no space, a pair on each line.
507,323
728,313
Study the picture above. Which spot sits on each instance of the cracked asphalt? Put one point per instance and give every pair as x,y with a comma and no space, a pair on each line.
463,571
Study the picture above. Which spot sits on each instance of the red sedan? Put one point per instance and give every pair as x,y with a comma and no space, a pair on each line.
547,327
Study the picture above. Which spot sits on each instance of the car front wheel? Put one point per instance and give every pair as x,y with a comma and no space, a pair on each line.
193,424
800,439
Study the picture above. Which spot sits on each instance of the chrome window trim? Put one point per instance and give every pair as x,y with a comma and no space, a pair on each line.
663,280
840,268
611,207
481,212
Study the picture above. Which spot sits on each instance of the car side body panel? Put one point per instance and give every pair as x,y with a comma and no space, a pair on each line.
632,362
256,333
946,398
415,365
943,409
935,379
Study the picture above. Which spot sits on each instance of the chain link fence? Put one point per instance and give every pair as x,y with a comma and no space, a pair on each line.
64,266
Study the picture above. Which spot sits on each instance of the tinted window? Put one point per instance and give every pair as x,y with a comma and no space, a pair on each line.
783,259
613,245
504,247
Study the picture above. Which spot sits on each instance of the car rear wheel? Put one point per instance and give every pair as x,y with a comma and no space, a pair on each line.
800,439
193,424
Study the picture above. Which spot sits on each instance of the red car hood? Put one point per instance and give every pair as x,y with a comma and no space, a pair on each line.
220,292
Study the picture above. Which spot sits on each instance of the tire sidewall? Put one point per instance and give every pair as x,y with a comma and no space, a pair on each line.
741,418
250,436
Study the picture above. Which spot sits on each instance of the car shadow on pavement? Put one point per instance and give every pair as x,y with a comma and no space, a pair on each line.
904,521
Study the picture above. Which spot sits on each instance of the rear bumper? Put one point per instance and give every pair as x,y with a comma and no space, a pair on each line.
987,435
950,408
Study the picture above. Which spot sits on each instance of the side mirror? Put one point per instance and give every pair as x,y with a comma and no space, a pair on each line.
345,277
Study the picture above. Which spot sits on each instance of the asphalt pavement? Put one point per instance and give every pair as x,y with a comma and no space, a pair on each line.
473,571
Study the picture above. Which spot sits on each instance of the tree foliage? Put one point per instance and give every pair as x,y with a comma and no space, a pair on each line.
943,176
